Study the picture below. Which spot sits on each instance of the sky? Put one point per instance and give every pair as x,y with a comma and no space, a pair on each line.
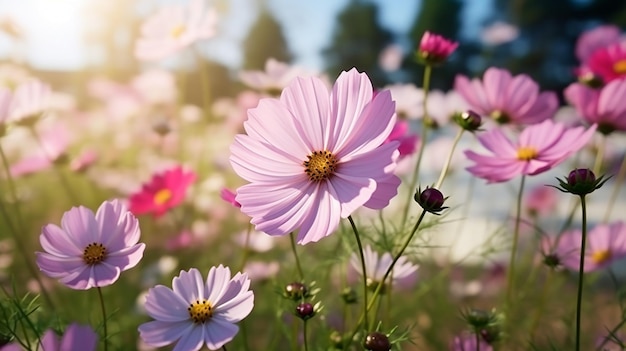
55,37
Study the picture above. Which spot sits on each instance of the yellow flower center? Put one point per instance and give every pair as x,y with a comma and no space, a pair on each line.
601,256
526,153
320,165
94,253
619,67
200,311
500,116
177,31
162,196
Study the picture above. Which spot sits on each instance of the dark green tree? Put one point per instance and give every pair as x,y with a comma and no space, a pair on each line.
357,42
266,40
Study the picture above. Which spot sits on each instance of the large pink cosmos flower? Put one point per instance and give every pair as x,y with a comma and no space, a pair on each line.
605,106
506,98
195,312
163,192
606,243
314,157
91,250
609,62
539,148
173,28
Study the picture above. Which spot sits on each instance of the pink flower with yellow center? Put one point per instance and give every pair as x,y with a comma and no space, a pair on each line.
163,192
606,243
540,147
507,98
609,62
313,157
605,106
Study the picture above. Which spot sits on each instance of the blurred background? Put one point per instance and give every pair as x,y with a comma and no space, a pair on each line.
67,41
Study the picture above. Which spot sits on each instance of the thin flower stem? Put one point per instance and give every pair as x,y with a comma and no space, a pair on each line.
104,319
477,341
424,136
363,269
616,189
246,248
511,273
597,166
224,348
540,306
295,255
444,170
304,339
581,269
387,273
244,335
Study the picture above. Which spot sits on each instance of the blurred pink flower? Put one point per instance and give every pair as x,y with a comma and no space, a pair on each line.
541,200
255,241
540,147
260,271
84,160
53,144
182,240
30,100
276,77
5,102
376,265
173,28
390,59
499,33
442,106
605,106
408,141
91,250
434,48
163,192
609,63
76,338
229,196
408,98
594,39
467,342
156,87
196,312
314,157
606,243
506,98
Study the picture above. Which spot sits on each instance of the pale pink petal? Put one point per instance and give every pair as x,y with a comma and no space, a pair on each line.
217,333
55,241
159,333
189,285
192,340
80,223
165,305
496,82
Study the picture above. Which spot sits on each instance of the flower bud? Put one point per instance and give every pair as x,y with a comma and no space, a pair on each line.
305,310
430,199
435,49
349,296
580,181
468,120
295,291
376,341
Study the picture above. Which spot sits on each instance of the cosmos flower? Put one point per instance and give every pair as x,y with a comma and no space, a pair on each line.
467,342
506,98
434,48
606,243
314,157
163,192
409,100
594,39
91,250
276,77
173,28
30,100
605,106
76,338
408,141
376,266
540,147
541,200
609,63
196,312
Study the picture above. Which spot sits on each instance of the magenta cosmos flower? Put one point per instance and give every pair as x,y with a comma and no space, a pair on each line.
506,98
434,48
606,243
605,106
163,192
173,28
195,312
91,250
609,63
539,148
314,157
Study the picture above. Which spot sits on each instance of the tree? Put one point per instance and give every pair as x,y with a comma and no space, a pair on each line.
357,42
266,40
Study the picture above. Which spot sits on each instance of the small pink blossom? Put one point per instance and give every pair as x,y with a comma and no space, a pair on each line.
434,48
229,196
507,98
163,192
30,100
408,141
91,250
409,100
53,144
276,77
84,160
540,147
594,39
313,157
541,200
467,342
605,106
76,338
499,33
609,63
173,28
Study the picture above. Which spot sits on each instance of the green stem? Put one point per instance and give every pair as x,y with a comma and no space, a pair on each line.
444,170
611,332
540,307
363,268
511,273
477,341
424,136
616,189
246,248
579,295
104,319
597,167
295,255
206,89
244,335
304,339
